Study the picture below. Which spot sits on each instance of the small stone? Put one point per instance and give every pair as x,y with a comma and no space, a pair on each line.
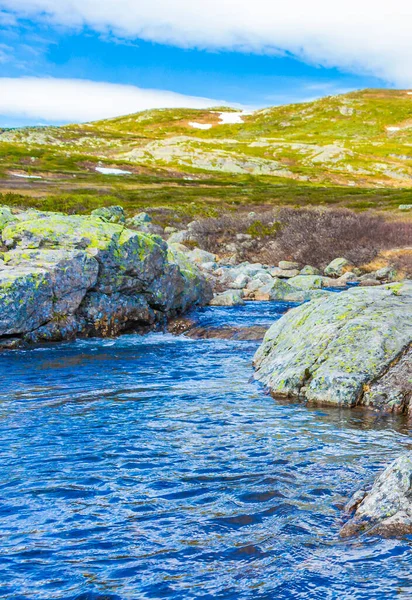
229,298
287,265
338,267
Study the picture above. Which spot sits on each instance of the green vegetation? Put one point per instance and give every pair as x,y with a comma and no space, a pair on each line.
353,150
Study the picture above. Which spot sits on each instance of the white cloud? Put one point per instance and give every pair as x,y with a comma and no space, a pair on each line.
366,36
76,100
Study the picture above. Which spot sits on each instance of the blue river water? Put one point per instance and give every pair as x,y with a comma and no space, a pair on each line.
154,467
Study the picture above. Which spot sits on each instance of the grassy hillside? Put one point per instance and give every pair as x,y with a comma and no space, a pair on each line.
353,150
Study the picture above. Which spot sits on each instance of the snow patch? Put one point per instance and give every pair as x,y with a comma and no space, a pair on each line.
106,171
26,176
233,118
201,125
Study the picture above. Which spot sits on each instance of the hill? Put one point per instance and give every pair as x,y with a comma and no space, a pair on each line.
355,149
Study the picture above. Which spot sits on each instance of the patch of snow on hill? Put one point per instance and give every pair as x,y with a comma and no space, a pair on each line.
106,171
200,125
26,176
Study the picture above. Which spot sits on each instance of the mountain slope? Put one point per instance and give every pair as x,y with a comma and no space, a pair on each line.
361,139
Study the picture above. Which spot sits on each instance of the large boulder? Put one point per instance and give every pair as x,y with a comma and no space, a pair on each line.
330,350
62,275
387,508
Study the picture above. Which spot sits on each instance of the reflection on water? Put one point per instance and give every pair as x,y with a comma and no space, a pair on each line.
154,468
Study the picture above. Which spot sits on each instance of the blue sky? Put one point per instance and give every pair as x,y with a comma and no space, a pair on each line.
169,56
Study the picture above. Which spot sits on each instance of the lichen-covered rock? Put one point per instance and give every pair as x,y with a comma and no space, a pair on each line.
229,298
338,267
308,270
26,299
393,391
387,509
64,275
307,282
110,214
284,291
329,350
6,216
287,265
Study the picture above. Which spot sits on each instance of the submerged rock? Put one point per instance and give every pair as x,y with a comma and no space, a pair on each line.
330,350
64,275
387,508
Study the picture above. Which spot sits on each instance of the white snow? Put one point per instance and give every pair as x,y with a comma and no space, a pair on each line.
393,129
200,125
230,118
106,171
26,176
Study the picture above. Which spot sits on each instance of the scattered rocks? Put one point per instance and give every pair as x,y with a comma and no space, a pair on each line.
386,509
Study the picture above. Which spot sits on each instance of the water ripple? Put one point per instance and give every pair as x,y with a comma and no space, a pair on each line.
154,468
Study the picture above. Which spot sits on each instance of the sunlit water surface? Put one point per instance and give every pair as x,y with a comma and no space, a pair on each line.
152,467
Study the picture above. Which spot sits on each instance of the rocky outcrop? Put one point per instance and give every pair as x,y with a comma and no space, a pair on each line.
387,508
65,275
342,349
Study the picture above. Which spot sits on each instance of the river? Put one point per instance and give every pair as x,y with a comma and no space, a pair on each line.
154,467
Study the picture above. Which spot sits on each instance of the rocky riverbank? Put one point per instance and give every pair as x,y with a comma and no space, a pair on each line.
63,276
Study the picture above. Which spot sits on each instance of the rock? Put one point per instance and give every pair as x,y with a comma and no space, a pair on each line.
283,291
338,267
229,298
308,270
139,219
307,282
393,391
369,282
208,266
180,237
287,265
63,275
169,230
6,216
386,274
346,278
253,333
240,282
330,350
285,274
110,214
149,228
201,256
387,509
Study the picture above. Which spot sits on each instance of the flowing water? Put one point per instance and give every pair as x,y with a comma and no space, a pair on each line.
153,467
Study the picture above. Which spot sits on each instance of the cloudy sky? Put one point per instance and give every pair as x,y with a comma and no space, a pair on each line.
78,60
